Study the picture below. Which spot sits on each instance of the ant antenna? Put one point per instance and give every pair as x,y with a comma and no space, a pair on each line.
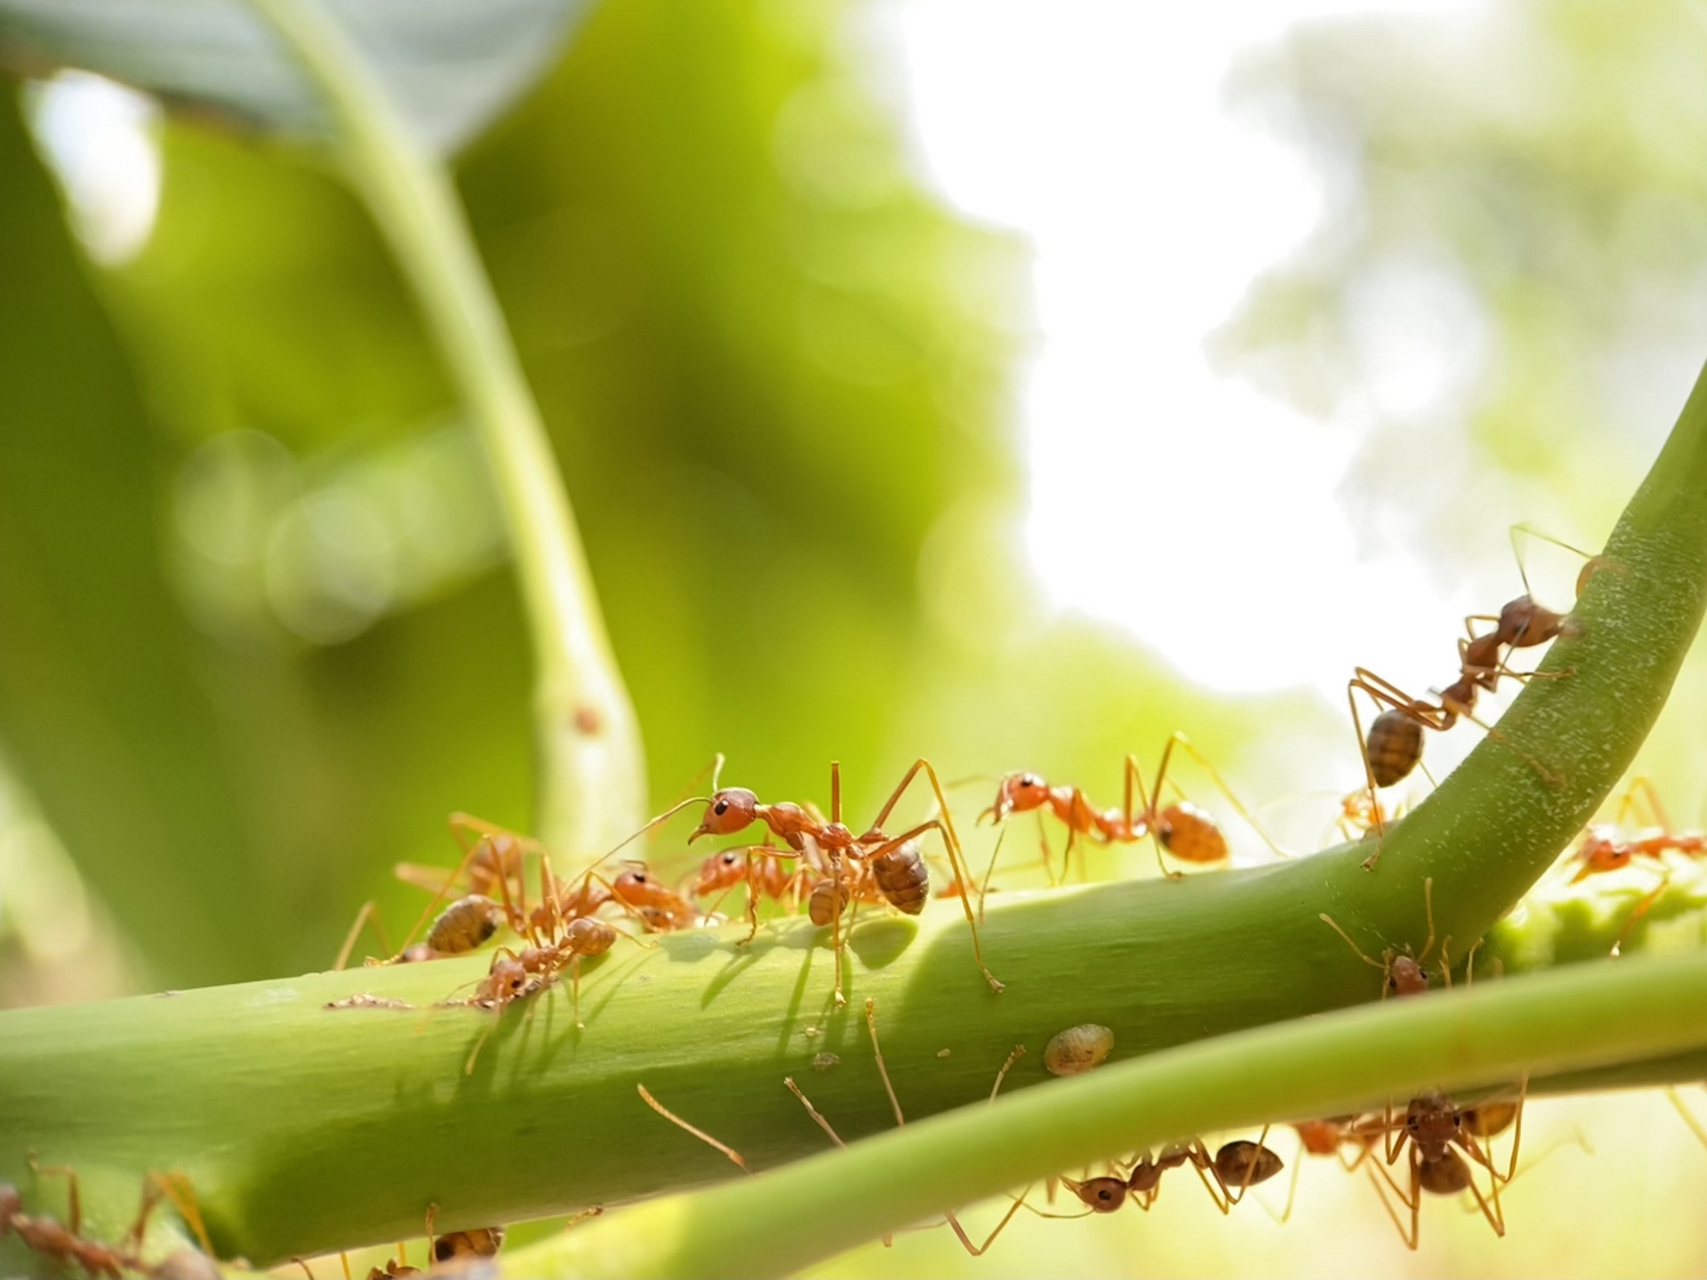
701,1134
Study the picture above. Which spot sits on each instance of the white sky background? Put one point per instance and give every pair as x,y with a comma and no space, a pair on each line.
1182,505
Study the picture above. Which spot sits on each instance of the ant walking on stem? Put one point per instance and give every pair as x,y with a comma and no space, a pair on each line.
891,863
1393,747
1402,972
1607,847
1181,828
1439,1136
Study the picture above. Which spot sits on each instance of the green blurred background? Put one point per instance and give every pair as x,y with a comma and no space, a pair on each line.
257,634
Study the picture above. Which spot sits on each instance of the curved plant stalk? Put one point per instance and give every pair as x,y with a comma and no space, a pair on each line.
287,1115
591,790
1585,1016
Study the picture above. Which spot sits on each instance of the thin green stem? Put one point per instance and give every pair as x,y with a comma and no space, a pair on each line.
591,789
1587,1016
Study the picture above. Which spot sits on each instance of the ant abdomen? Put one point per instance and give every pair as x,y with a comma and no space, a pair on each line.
464,925
1395,747
902,878
829,899
1190,834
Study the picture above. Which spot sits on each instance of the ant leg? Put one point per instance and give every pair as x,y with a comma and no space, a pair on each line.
1516,1139
1641,909
703,1136
990,870
837,903
1048,853
961,877
1250,1169
1203,763
1205,1166
1385,967
132,1239
1428,906
177,1189
369,914
957,860
1656,810
882,1069
468,1067
752,901
1695,1126
1015,1056
575,991
1292,1187
305,1268
813,1111
74,1193
1379,1175
1146,812
1493,1213
979,1250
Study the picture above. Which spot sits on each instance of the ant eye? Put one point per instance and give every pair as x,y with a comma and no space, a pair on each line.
730,859
721,807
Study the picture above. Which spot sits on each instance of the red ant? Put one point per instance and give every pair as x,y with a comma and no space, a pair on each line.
894,864
1606,848
1394,745
1403,972
1182,829
765,874
1227,1175
66,1244
1437,1133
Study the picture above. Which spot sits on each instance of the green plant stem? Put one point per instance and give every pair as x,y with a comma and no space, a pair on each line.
1355,1059
280,1109
279,1142
591,789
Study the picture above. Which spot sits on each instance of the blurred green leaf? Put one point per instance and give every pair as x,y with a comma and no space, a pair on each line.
102,696
449,67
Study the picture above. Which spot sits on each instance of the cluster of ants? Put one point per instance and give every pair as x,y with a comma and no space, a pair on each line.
1441,1145
818,863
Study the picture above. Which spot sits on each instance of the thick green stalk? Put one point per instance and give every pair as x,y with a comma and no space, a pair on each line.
281,1109
591,768
1493,1034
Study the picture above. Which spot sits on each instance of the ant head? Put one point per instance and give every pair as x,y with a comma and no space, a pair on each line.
509,979
730,810
1431,1119
1101,1195
720,870
632,878
1524,623
1406,977
1019,793
1602,850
